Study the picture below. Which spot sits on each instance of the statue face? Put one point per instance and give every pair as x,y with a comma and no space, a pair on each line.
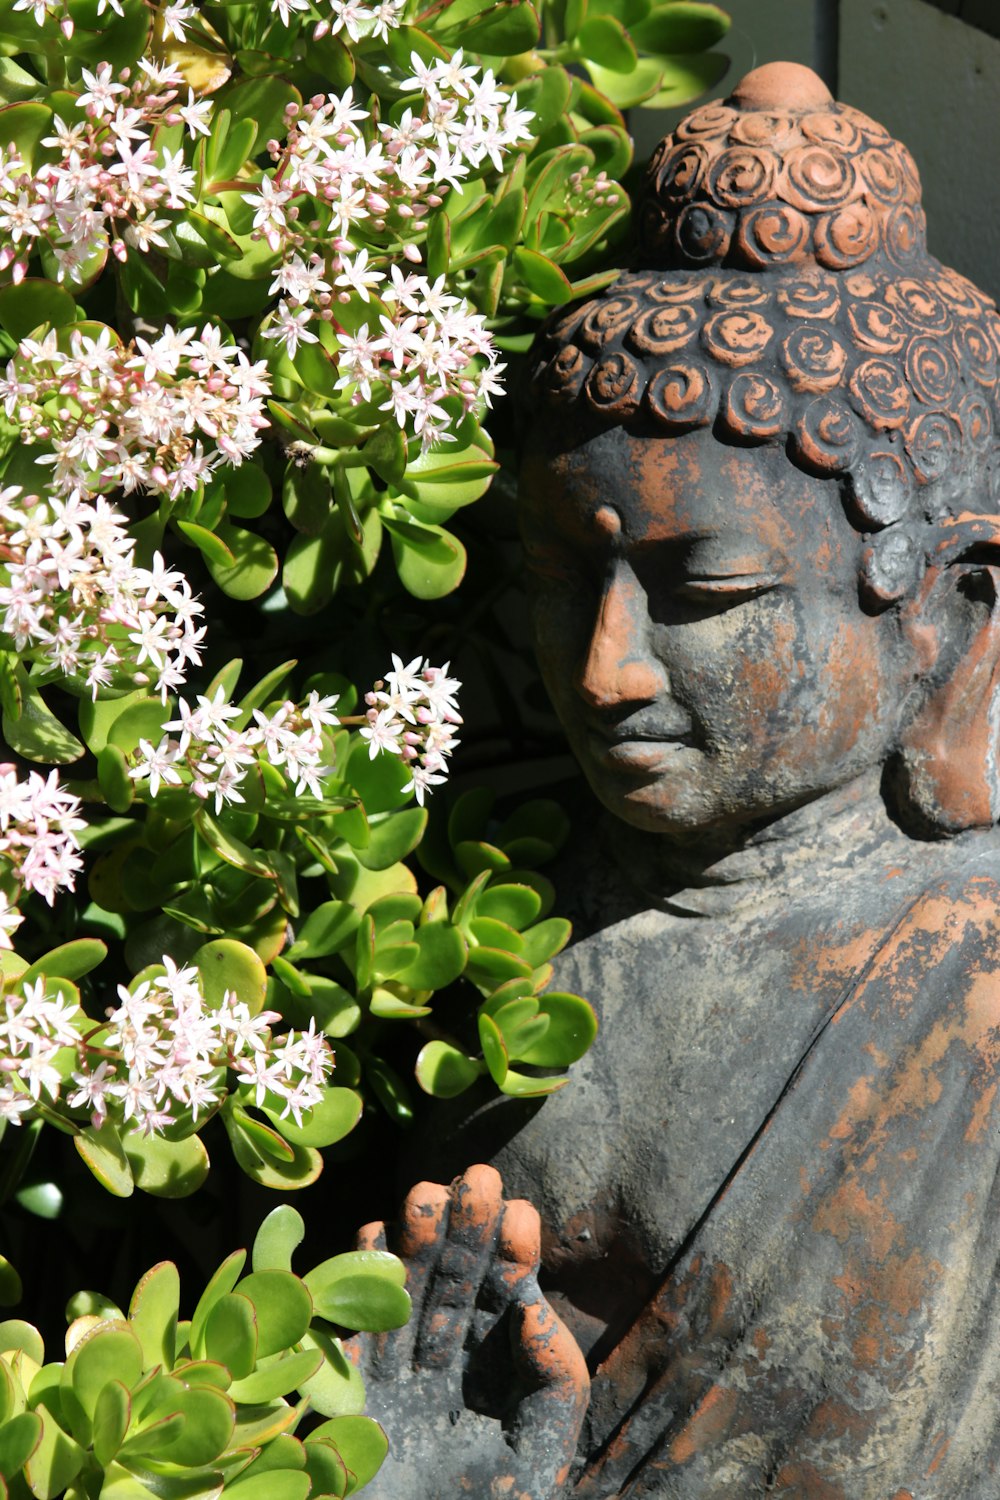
698,628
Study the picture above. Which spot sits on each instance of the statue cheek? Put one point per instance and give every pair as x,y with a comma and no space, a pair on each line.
855,692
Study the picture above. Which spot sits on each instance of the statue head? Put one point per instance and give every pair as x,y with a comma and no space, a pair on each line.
762,481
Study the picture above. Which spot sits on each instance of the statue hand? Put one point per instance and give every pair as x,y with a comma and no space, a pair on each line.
484,1391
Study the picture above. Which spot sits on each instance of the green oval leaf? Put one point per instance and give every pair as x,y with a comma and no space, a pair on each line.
327,1122
441,957
364,1301
227,964
253,566
360,1441
278,1378
283,1306
326,1469
36,733
112,1415
681,26
430,561
104,1154
278,1236
231,1334
337,1387
393,839
19,1437
443,1071
110,1351
17,1334
494,1051
56,1459
153,1314
69,961
517,905
222,1281
166,1168
25,307
326,930
209,1419
571,1031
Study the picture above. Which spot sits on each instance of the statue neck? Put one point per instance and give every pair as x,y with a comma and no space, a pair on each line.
828,839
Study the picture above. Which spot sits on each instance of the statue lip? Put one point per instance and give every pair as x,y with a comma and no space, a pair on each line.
627,731
616,744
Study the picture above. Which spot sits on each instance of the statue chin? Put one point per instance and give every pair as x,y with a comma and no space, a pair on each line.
762,570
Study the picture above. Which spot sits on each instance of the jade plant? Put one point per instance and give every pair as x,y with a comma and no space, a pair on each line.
148,1404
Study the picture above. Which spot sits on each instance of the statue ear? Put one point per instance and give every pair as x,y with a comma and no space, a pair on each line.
947,763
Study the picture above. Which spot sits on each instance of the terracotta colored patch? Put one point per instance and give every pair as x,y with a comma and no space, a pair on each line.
706,1424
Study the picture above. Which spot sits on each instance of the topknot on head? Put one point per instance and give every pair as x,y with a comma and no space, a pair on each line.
782,85
780,176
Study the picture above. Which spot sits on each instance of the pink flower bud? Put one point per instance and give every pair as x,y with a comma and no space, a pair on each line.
412,253
66,27
321,30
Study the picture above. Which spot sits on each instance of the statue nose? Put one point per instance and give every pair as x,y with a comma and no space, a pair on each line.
619,667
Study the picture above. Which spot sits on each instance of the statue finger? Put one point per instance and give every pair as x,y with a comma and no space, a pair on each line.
519,1246
476,1207
371,1237
417,1238
546,1427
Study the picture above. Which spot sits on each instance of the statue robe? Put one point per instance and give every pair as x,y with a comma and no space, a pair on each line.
770,1189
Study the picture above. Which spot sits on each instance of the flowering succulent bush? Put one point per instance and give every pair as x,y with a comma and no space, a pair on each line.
265,274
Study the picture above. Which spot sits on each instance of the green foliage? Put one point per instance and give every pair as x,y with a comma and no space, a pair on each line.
148,1404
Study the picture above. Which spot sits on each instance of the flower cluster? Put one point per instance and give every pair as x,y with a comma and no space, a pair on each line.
39,820
385,176
341,173
34,1027
110,180
423,352
204,752
354,18
73,595
412,714
162,1056
134,416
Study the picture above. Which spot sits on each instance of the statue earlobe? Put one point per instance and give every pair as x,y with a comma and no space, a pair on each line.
947,764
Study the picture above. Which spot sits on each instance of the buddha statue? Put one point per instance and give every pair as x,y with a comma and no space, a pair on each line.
751,1248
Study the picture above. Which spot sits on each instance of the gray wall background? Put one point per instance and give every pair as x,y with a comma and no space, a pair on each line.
930,77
